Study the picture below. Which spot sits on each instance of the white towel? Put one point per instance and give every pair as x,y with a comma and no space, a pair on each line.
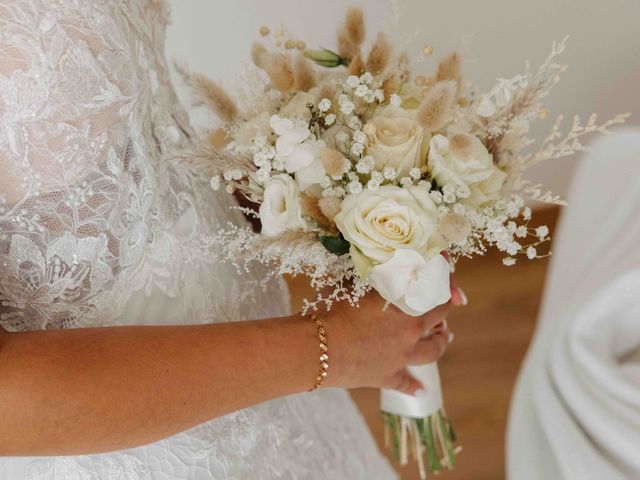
575,413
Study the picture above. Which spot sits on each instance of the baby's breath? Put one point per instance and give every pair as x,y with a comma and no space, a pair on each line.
335,134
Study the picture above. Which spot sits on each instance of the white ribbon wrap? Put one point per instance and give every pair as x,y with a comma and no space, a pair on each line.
416,286
416,407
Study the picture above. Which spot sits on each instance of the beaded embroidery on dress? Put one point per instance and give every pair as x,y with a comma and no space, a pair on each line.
96,220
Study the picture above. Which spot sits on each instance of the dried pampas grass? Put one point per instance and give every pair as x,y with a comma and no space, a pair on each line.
327,89
449,68
208,160
278,68
390,86
454,227
311,207
304,74
346,48
461,145
379,56
356,66
438,107
330,206
354,26
215,97
219,138
333,162
222,159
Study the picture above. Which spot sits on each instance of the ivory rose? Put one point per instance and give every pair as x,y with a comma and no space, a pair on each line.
464,161
377,223
394,139
280,209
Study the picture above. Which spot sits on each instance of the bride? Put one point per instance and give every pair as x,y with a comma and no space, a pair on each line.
99,227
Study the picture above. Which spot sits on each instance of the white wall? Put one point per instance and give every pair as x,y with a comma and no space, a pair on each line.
497,36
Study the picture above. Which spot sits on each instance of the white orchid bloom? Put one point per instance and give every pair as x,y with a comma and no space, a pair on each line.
412,283
298,152
289,146
314,172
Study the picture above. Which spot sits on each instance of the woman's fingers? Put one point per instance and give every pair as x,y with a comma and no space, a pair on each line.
404,382
434,317
431,348
458,296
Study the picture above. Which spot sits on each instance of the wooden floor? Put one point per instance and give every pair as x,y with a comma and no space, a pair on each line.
480,367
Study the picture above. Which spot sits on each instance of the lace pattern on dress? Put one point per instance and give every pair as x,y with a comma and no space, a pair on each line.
96,220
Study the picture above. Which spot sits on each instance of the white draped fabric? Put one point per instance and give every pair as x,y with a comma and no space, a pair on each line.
576,409
101,226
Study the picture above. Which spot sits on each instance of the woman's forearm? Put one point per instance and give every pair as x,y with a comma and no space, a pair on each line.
100,389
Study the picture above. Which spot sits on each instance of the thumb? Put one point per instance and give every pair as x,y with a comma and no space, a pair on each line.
404,382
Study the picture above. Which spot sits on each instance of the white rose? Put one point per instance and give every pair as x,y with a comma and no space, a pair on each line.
395,139
412,283
463,161
377,223
280,209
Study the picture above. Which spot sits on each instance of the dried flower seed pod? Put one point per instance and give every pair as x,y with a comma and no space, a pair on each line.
215,97
379,56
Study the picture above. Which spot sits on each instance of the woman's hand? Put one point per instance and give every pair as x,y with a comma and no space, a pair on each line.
372,346
129,386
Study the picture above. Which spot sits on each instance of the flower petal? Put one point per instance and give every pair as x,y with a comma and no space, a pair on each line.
392,278
301,156
285,145
362,263
280,125
310,175
486,107
431,287
299,133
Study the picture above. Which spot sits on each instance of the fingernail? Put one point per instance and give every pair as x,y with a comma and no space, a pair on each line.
463,297
420,393
451,337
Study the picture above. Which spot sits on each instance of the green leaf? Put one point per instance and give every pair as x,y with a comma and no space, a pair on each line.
337,245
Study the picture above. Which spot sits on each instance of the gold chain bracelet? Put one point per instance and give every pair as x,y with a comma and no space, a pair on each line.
324,357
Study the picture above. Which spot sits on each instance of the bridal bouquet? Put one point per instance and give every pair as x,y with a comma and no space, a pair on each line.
365,173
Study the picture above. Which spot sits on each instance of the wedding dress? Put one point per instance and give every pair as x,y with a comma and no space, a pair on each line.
575,412
99,225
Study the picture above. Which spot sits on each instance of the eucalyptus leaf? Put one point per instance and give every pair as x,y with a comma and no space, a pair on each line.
337,245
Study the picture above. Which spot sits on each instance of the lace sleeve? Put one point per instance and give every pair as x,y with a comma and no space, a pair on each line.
64,161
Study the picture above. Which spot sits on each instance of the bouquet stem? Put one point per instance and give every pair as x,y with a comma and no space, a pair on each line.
419,426
428,440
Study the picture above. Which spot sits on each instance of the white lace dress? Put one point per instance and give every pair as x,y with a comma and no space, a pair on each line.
98,226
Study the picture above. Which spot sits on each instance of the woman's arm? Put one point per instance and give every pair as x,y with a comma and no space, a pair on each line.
91,390
66,392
